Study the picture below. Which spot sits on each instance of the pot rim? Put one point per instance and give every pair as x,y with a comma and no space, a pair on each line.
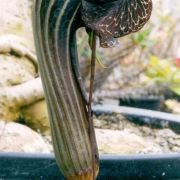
43,166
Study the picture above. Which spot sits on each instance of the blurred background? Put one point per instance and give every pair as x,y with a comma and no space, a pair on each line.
143,72
147,62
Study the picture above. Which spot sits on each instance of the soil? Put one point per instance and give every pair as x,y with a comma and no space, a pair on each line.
163,140
118,135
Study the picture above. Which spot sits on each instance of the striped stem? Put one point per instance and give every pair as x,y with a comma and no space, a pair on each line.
53,24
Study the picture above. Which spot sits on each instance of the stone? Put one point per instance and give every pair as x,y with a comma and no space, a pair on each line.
36,117
123,142
16,19
15,137
173,106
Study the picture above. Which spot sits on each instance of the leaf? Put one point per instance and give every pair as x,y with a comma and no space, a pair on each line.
176,89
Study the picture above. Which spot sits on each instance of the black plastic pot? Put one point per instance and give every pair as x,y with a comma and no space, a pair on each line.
130,167
142,116
152,103
43,166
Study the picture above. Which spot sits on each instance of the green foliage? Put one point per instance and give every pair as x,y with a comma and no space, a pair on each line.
164,71
142,38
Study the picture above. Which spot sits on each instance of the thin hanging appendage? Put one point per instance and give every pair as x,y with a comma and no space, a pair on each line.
90,115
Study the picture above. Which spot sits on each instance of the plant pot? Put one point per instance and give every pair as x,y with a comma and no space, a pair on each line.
152,103
168,94
140,116
43,166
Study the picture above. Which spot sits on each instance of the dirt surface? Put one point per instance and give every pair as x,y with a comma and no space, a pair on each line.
117,135
155,140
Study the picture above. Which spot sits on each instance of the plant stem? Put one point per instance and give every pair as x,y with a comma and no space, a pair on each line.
90,114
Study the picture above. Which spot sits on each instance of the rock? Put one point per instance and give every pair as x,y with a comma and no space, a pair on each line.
13,71
36,117
15,137
166,133
174,141
18,64
123,142
99,123
173,106
16,19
